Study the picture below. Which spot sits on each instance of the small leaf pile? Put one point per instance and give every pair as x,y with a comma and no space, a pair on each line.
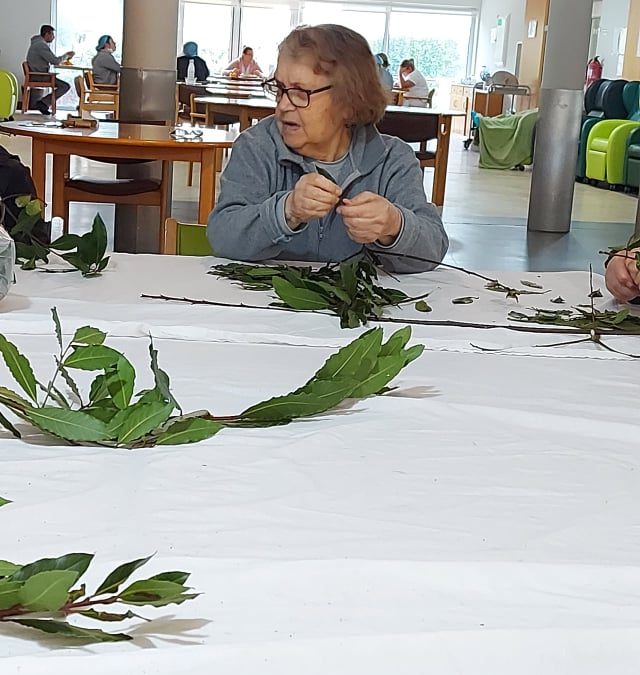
112,416
348,289
84,253
44,593
584,318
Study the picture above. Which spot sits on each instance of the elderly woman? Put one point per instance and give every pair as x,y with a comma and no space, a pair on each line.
413,83
190,53
276,200
105,67
245,65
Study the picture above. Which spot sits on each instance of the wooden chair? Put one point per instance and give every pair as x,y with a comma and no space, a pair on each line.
42,81
184,239
102,97
413,129
136,191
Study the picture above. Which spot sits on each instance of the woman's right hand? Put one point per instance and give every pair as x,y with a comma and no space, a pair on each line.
313,196
622,276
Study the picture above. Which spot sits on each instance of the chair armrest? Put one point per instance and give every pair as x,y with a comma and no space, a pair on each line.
604,128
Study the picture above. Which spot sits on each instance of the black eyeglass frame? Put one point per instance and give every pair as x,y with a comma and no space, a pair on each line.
281,90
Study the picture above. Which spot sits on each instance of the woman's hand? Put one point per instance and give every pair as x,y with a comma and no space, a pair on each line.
622,276
370,217
313,196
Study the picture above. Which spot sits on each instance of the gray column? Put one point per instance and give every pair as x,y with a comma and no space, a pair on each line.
147,95
560,104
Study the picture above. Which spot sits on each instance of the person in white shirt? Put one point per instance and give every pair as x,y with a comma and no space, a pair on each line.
413,83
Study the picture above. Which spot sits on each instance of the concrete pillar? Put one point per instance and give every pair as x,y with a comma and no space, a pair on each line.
558,128
147,95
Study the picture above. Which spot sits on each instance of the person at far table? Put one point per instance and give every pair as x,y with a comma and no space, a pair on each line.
386,78
622,276
106,69
189,53
40,58
276,199
413,83
245,65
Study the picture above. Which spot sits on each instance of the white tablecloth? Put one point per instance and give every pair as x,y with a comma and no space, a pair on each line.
483,518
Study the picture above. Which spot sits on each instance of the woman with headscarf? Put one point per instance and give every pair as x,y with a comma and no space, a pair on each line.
386,78
190,53
106,69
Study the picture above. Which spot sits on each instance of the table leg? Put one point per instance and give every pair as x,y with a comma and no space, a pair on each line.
209,113
39,165
60,170
245,120
208,161
442,158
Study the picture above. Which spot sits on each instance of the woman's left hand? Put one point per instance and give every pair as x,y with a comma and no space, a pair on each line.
370,217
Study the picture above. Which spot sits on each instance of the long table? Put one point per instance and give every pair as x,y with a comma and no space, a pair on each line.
433,124
480,518
115,140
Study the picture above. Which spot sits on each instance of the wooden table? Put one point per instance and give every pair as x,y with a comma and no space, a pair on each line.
121,141
433,124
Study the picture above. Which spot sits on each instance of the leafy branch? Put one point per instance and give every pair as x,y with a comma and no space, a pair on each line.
113,417
45,593
85,253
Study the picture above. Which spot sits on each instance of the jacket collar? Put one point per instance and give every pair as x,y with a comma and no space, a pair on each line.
367,149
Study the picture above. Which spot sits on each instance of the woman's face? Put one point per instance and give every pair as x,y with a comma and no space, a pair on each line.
309,131
247,56
111,44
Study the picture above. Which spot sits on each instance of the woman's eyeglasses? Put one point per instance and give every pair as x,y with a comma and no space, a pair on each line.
300,98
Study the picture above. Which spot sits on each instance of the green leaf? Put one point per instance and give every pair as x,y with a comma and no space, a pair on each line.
7,568
465,300
87,335
94,244
422,306
314,398
4,422
71,425
116,578
22,201
152,592
77,593
19,367
72,562
162,381
58,327
67,242
47,591
4,502
76,261
176,577
386,368
93,357
9,593
120,382
12,400
346,361
67,630
98,390
34,207
190,430
71,383
412,354
530,284
142,420
106,616
396,342
298,298
103,410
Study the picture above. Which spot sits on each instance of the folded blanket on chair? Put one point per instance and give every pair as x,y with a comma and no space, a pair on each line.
507,141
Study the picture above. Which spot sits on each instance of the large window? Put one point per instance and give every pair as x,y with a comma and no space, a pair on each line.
262,29
210,26
368,21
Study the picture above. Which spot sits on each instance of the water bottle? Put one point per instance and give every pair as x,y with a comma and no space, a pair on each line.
191,72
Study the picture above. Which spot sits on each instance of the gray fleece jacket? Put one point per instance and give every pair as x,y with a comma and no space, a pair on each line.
105,68
248,222
40,56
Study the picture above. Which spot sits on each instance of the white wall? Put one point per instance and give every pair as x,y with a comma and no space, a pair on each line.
613,18
20,21
489,12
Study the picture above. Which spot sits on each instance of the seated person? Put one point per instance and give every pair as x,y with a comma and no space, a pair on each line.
106,69
622,276
245,65
414,84
273,201
39,58
386,79
190,53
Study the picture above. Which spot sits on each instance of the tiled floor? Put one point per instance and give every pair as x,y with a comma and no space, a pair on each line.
485,214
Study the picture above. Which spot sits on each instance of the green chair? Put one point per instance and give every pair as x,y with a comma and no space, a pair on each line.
606,147
632,165
185,239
